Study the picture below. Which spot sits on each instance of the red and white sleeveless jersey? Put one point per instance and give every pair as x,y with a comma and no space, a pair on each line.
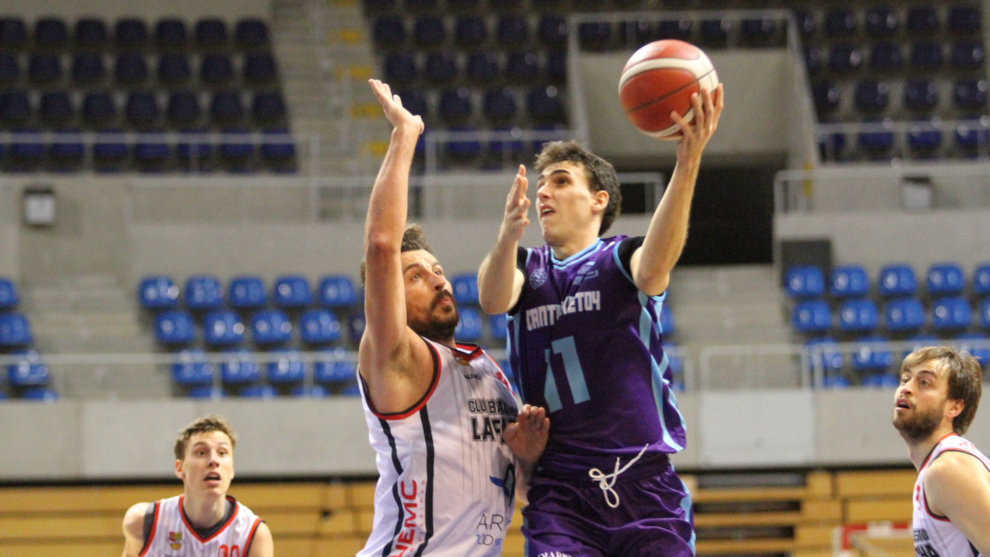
934,535
446,478
172,535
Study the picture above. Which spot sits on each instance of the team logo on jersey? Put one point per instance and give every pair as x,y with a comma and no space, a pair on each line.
175,540
537,278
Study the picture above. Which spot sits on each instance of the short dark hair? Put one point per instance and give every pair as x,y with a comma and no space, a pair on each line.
203,425
413,238
600,173
965,376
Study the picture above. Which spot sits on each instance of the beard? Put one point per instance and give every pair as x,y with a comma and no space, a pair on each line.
921,425
439,324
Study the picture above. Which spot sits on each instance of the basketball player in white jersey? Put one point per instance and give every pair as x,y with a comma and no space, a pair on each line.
204,521
934,405
442,417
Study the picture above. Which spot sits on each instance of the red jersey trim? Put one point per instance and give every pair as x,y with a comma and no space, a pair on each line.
418,405
151,535
250,536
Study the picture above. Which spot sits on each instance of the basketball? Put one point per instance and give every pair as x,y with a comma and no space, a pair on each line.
660,78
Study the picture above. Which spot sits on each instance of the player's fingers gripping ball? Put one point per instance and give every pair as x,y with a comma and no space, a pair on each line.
660,78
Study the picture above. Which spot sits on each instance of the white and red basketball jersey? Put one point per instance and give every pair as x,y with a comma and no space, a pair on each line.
172,535
934,535
446,478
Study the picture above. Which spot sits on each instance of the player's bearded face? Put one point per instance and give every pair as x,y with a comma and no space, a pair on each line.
440,318
921,423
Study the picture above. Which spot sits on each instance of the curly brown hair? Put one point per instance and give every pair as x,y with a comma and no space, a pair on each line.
965,375
205,424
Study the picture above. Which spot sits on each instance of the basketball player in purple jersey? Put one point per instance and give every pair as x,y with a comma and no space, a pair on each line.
585,343
933,406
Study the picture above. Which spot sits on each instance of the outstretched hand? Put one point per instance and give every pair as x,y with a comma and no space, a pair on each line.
527,436
396,114
516,217
695,134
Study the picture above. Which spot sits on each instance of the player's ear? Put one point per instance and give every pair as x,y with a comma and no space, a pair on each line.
955,407
179,473
599,200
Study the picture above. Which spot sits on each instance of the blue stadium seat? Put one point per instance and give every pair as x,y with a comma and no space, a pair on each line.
963,19
312,391
55,108
15,108
951,313
88,68
511,30
876,138
499,106
972,135
872,96
470,325
498,327
544,105
141,109
552,30
258,392
251,33
151,152
259,69
881,21
470,31
667,325
203,292
90,33
873,355
10,68
924,137
804,281
714,32
840,22
285,366
270,327
194,148
849,281
171,34
886,56
805,21
226,107
388,31
461,149
598,35
239,367
439,67
27,150
355,325
51,33
236,148
39,394
110,151
44,68
845,58
291,292
183,108
811,317
246,292
922,19
824,355
522,67
895,280
455,105
222,328
13,33
319,327
967,54
66,149
175,327
28,370
419,6
216,69
944,279
15,330
926,55
333,366
400,68
130,33
210,33
758,31
173,69
192,369
9,298
904,315
975,344
980,283
278,149
156,292
98,109
555,69
881,380
336,291
983,314
429,31
920,95
827,96
969,94
465,288
857,316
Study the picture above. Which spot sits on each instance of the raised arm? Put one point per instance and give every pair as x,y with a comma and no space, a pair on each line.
652,263
133,527
390,352
499,281
957,485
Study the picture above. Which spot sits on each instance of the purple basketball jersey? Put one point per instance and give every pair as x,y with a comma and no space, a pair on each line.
585,344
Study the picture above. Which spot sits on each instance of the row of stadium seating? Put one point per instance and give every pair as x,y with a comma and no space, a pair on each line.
903,316
25,375
131,33
893,280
